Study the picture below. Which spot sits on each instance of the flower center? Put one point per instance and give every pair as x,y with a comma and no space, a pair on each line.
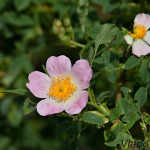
61,88
139,31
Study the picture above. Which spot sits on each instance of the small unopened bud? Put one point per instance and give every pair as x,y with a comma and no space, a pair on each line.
62,30
67,22
69,29
58,23
55,30
65,39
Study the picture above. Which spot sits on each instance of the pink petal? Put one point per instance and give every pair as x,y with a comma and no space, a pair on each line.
140,48
143,19
39,84
48,107
147,37
58,65
76,103
129,39
82,73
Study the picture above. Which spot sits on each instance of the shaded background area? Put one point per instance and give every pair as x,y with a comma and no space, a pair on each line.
26,41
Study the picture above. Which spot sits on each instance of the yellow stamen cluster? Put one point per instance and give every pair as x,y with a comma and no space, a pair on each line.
61,88
139,31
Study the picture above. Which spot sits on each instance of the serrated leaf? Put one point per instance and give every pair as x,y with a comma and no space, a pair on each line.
141,96
116,112
28,109
132,117
93,117
16,91
121,137
125,91
130,112
143,72
106,34
132,62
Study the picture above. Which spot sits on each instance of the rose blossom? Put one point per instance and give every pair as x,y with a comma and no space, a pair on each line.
64,88
140,38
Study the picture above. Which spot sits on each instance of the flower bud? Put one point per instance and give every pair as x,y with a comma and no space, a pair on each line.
67,22
58,23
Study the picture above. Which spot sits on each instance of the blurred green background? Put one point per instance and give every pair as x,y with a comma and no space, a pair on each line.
27,39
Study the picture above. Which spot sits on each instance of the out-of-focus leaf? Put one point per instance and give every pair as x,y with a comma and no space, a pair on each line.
108,6
15,116
18,20
64,127
28,109
132,62
16,91
103,95
5,105
17,64
112,75
4,142
21,4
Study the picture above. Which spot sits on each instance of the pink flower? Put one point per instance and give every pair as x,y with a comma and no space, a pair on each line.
64,89
140,38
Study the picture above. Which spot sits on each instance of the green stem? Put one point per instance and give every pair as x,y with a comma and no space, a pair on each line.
130,134
100,108
77,44
91,95
146,132
93,58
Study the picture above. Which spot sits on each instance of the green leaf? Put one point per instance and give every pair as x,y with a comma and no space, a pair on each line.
108,59
132,117
16,66
18,20
130,112
143,72
121,137
93,117
28,109
63,127
21,4
92,31
16,91
103,95
116,112
125,91
141,96
106,34
132,62
15,116
5,141
112,75
147,120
